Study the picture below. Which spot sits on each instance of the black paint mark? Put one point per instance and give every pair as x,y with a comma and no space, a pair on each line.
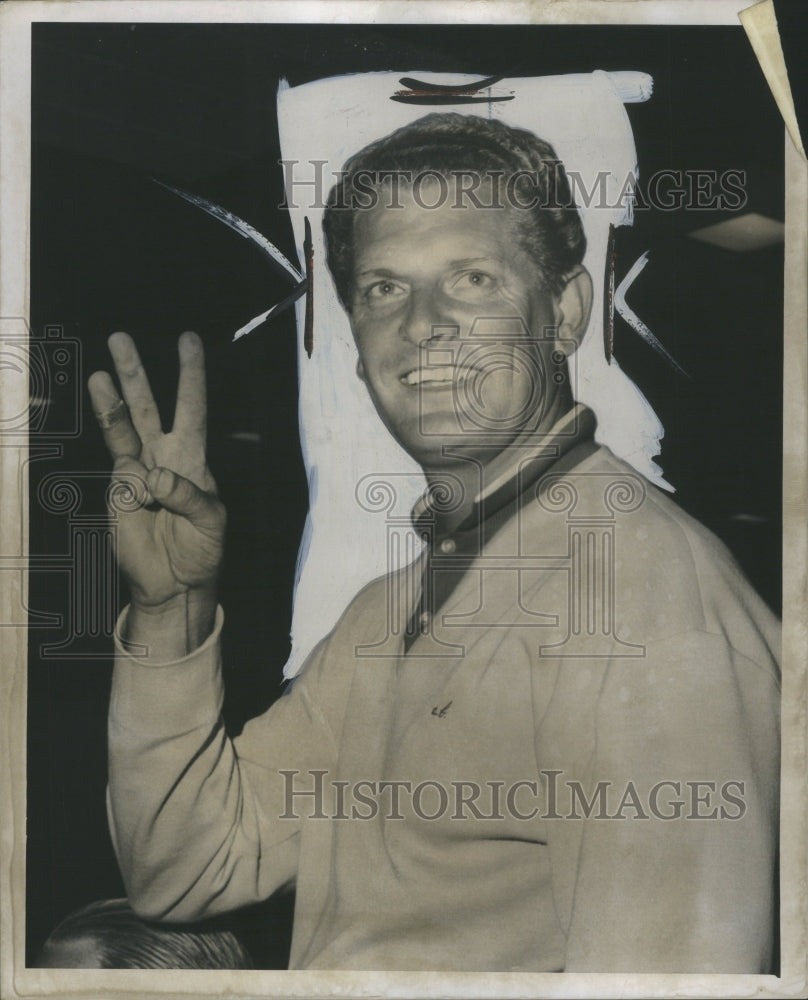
421,92
308,253
452,88
608,298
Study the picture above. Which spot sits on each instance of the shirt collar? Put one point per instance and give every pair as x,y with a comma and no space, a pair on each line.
516,468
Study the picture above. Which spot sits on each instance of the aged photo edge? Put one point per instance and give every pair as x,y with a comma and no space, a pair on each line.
15,979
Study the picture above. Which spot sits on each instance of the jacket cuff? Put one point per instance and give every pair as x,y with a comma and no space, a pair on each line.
162,698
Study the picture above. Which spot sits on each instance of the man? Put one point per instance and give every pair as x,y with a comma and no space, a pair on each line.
568,760
106,934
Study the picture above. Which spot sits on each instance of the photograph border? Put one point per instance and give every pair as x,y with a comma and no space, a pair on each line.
16,17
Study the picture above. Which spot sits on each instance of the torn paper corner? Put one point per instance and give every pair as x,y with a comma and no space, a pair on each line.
760,24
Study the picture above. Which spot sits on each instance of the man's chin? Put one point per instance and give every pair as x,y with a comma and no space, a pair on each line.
438,442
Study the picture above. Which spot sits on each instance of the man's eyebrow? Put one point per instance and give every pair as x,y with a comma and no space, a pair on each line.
376,272
386,272
468,261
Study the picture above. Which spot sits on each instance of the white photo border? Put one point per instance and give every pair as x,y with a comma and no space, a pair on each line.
16,18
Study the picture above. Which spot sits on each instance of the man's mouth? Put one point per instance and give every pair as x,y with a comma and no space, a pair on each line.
438,376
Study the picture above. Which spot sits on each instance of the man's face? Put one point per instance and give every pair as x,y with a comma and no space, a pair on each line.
453,326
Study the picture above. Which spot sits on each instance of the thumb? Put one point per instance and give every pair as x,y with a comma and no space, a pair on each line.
127,489
180,496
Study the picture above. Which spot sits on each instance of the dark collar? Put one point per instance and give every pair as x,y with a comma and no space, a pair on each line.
511,474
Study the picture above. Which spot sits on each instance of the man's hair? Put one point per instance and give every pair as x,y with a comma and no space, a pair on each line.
452,144
125,941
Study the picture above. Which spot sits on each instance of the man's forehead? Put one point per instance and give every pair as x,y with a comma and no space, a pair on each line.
432,215
459,187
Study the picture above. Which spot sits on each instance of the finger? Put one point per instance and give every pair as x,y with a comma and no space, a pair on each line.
112,415
191,411
181,496
128,490
135,387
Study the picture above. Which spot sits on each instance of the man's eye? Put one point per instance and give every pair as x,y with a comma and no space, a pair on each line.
472,284
384,290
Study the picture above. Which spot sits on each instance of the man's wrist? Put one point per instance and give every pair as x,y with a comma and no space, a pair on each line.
174,628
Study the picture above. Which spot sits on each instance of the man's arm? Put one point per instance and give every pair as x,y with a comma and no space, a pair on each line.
199,822
186,810
683,887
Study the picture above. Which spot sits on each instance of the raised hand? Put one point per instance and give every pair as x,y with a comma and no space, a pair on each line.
170,547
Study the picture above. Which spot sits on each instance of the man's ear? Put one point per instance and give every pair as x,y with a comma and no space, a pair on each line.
573,307
360,370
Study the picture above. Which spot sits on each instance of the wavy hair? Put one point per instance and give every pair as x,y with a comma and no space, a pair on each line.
547,226
123,940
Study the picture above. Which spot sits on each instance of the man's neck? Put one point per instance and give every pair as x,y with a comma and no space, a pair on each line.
471,476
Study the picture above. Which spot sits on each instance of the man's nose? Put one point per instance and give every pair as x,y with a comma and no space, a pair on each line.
427,318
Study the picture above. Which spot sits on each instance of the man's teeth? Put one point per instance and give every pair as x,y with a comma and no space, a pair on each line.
439,373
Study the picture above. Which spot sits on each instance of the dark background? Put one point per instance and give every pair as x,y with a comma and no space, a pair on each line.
117,105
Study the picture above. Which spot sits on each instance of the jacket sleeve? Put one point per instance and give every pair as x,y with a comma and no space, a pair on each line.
682,878
200,823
